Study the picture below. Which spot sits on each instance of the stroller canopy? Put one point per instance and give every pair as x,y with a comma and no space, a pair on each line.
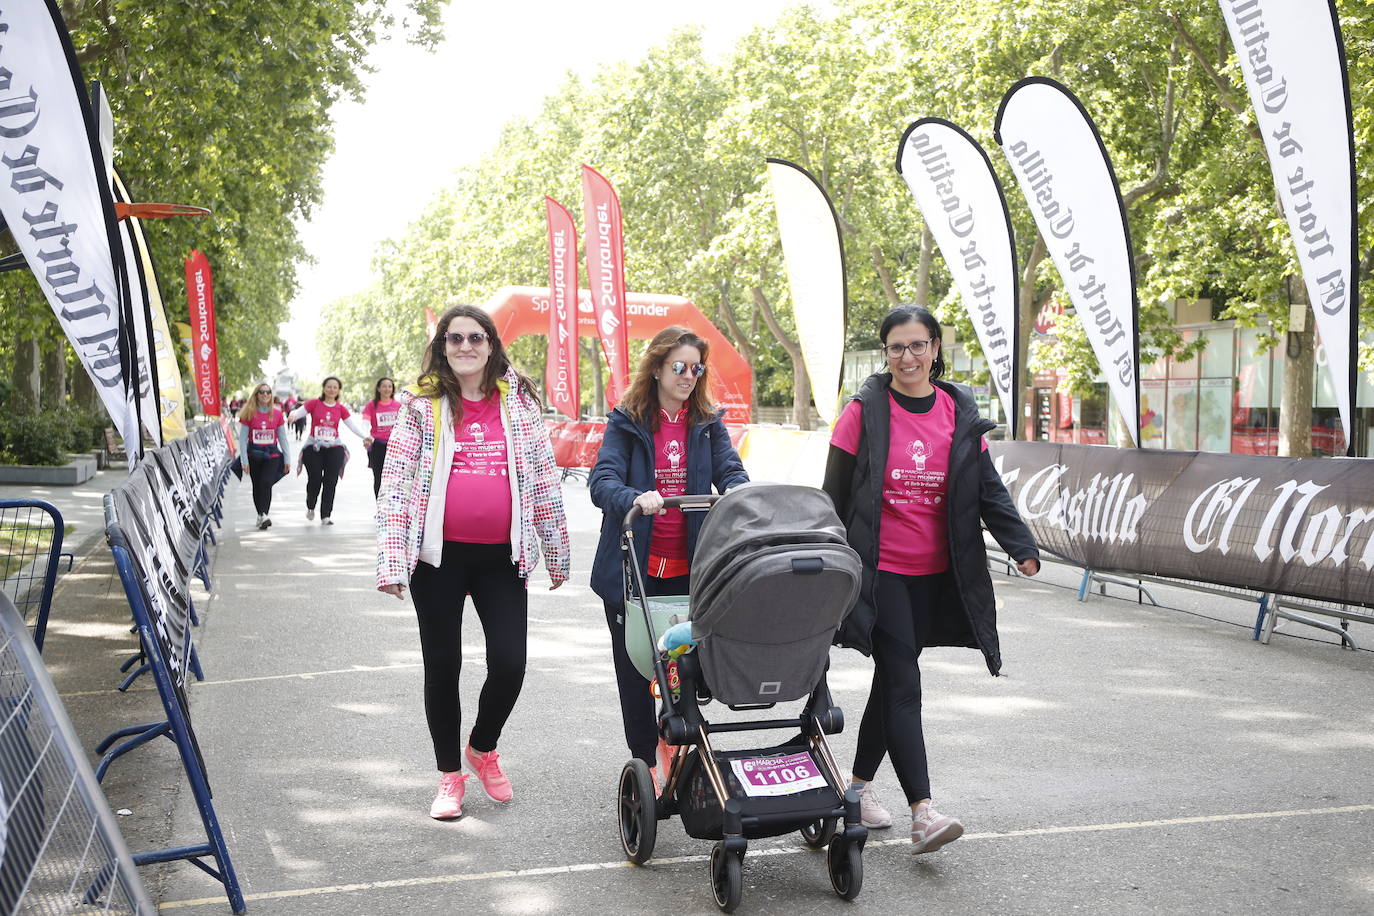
772,580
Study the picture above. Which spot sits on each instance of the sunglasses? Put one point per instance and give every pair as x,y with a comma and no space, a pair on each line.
263,391
476,338
678,367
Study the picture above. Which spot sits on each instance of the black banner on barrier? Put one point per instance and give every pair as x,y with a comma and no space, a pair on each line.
1302,527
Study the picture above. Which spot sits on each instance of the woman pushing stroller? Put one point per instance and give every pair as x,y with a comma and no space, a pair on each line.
910,477
664,439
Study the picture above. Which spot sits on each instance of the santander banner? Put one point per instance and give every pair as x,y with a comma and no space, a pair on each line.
200,303
54,197
1068,182
606,276
952,180
560,369
1294,66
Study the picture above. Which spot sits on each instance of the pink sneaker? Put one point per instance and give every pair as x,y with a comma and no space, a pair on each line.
930,829
448,803
487,768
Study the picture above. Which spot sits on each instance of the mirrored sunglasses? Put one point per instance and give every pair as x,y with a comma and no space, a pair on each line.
678,367
476,338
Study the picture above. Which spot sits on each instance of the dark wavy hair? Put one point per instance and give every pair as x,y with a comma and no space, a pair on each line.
327,380
905,314
641,400
438,378
377,390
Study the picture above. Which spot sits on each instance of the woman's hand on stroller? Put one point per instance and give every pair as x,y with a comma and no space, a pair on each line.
650,502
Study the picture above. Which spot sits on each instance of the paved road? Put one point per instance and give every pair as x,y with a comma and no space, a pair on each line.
1132,760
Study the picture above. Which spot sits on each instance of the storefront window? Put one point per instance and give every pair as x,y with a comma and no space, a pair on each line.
1253,422
1218,357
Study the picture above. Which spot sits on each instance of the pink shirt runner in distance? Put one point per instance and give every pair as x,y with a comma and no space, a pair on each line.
382,415
477,503
325,420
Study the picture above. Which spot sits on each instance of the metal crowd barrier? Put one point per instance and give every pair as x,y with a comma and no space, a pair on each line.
30,552
60,848
155,524
1272,609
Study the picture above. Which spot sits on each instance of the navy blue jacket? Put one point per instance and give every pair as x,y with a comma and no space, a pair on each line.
625,468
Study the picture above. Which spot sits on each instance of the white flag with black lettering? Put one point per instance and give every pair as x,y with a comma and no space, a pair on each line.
952,180
1294,65
1068,181
54,197
814,255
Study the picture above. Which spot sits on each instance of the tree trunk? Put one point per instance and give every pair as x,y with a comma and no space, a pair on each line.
801,383
1027,305
84,393
1295,404
923,269
24,374
53,390
885,275
746,348
592,354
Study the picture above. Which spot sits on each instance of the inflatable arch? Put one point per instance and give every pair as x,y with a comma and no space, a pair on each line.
518,310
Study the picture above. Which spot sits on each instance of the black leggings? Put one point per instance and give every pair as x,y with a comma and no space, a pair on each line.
264,472
485,572
892,718
376,457
636,703
322,468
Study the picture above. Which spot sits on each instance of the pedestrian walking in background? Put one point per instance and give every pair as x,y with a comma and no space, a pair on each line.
381,413
664,438
911,478
324,453
469,496
262,437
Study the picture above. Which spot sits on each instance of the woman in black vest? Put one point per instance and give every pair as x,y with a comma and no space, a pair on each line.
911,478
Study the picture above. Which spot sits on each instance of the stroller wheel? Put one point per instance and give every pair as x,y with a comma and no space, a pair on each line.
819,833
727,882
636,812
846,864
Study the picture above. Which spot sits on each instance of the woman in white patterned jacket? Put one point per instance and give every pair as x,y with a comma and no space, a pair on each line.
469,494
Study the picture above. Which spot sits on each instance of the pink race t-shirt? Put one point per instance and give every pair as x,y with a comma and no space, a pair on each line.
325,420
262,429
477,506
383,416
669,539
913,532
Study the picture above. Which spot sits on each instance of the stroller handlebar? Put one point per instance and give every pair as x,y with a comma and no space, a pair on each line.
699,502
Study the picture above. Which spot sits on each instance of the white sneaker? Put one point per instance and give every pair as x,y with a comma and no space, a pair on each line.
871,812
326,521
310,514
259,519
265,523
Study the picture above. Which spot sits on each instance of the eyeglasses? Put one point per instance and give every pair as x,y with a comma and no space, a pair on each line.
476,338
679,367
917,348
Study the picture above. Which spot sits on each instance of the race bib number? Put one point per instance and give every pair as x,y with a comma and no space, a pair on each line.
386,419
769,776
326,433
264,436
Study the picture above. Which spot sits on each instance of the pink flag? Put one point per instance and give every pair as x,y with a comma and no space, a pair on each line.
606,276
560,369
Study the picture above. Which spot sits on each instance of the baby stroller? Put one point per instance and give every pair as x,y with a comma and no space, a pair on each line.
771,582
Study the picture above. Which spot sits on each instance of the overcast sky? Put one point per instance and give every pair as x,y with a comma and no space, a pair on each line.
427,114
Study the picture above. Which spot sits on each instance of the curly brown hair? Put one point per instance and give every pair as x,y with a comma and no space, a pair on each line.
438,378
641,401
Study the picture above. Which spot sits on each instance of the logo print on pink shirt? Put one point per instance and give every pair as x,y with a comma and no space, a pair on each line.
478,431
919,453
673,452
